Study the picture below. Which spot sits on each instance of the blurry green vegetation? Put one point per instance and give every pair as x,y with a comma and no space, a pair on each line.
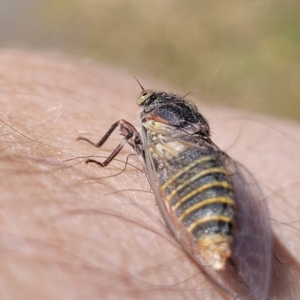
241,53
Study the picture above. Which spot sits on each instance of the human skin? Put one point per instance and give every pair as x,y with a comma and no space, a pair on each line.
76,231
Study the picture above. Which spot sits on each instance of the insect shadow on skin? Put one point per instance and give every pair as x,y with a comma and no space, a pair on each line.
211,204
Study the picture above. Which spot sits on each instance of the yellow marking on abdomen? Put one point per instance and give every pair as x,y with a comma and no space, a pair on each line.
187,168
224,200
202,188
195,177
208,219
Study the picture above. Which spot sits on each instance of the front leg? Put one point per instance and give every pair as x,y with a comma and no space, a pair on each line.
130,136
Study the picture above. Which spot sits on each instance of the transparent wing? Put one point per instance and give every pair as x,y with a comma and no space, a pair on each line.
248,270
253,240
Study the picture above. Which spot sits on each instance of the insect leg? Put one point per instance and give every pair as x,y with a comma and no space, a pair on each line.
128,131
104,138
110,158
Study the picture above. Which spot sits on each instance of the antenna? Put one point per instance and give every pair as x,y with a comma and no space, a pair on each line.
138,83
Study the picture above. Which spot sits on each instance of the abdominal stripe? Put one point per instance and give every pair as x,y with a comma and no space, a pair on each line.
199,190
219,219
209,201
186,169
192,179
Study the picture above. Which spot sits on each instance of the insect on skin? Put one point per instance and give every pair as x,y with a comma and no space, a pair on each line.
210,203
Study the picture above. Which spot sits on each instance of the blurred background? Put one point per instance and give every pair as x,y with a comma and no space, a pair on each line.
242,54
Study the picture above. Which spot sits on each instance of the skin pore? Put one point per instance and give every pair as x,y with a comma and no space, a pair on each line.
76,231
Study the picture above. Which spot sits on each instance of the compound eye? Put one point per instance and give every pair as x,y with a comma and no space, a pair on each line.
143,96
192,104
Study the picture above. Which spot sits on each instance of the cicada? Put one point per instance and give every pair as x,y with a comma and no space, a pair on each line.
211,204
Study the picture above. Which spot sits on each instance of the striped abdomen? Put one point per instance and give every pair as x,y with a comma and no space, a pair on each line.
199,191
